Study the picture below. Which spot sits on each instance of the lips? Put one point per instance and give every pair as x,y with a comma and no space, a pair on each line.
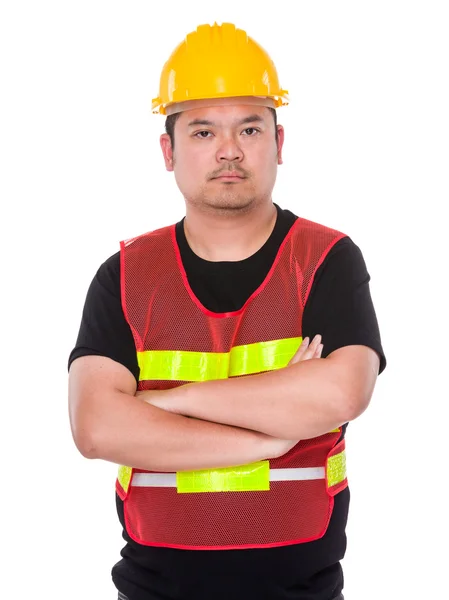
229,176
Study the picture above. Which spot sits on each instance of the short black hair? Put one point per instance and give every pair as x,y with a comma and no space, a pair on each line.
170,123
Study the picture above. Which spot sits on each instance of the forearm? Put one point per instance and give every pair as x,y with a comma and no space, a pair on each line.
142,436
301,401
273,403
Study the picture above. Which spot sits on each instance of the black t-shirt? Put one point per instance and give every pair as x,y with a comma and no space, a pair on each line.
340,309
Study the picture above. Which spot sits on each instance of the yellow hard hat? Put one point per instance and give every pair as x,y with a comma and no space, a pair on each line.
218,61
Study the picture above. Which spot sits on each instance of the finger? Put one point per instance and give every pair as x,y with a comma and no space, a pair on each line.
315,342
319,351
311,350
315,346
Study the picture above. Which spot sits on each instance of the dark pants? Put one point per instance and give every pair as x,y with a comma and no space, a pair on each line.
123,597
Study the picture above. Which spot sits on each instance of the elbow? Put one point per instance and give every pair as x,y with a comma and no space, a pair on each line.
355,405
84,440
86,447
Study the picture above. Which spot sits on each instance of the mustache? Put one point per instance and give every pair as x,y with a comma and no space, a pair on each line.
229,168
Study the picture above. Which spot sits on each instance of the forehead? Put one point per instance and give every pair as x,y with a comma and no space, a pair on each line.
232,114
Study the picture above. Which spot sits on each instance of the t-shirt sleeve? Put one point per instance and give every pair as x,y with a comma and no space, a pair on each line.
339,306
104,330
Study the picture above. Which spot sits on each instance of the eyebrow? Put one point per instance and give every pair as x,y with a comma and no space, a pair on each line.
250,119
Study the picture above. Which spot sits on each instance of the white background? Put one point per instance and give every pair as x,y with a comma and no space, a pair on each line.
366,151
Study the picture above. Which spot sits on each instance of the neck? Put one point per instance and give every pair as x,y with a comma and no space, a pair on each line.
229,237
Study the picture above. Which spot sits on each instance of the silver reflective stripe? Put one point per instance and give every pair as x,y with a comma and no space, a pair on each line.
169,479
297,474
154,480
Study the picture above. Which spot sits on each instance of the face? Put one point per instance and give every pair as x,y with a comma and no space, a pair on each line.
225,157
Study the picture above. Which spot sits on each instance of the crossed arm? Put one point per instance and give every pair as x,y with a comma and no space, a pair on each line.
308,398
236,421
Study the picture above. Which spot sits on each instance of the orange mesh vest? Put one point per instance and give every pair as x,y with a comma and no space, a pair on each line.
281,501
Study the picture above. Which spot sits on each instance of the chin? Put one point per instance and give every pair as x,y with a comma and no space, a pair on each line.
229,199
230,202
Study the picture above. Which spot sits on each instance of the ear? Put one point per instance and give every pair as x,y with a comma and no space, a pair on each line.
167,151
280,142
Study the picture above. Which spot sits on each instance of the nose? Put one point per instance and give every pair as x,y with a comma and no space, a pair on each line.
229,150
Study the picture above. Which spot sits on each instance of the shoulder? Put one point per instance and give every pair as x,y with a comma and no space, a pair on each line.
108,274
344,249
345,257
325,247
307,233
341,258
154,237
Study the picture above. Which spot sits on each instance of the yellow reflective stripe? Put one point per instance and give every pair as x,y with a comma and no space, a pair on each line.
180,365
262,356
335,430
244,478
124,476
336,469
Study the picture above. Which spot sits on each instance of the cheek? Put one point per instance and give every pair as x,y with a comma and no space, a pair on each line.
262,154
191,159
267,163
189,171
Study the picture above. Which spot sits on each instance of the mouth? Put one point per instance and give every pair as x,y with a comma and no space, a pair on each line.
229,177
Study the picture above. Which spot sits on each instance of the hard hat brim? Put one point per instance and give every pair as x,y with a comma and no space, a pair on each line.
177,107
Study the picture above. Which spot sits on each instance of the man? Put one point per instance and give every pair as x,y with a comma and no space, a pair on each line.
219,360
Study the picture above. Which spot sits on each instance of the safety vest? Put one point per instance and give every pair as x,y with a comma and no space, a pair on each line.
275,502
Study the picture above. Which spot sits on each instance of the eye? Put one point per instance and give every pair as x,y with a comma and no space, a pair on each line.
202,134
251,131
